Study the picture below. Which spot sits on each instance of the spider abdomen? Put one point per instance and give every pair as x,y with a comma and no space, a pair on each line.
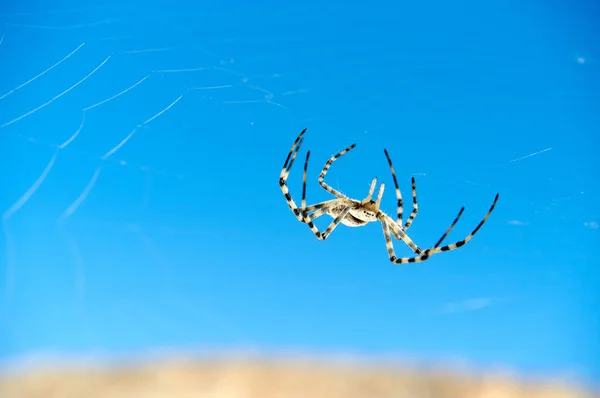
363,214
351,219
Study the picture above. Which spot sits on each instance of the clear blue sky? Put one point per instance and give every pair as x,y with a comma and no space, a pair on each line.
180,237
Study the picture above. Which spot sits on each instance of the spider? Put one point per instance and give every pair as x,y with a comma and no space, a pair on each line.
355,213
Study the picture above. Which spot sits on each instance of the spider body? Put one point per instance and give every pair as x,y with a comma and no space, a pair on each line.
358,215
354,213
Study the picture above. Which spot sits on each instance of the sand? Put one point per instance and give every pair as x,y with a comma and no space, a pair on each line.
271,378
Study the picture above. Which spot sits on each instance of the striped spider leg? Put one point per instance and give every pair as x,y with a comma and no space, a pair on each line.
415,210
388,224
301,213
285,171
394,228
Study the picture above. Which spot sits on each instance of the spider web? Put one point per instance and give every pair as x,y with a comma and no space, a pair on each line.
130,157
94,104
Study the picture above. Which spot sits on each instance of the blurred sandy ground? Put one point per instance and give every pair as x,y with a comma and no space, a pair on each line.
272,377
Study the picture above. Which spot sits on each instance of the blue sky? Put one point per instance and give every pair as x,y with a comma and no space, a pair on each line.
141,149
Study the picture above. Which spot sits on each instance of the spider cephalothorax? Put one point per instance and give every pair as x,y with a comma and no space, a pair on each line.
355,213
